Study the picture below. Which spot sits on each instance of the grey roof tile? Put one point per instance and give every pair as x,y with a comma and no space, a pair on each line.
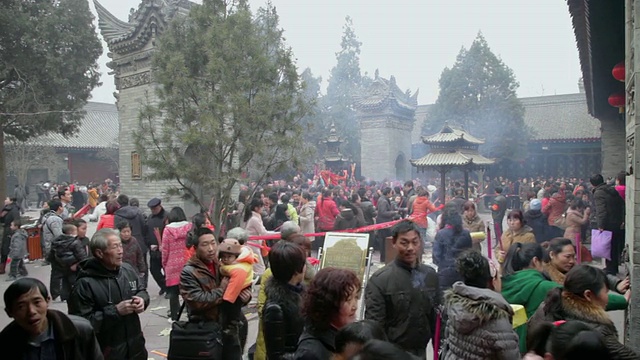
98,130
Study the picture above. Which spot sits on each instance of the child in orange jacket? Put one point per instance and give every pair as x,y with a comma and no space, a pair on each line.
236,263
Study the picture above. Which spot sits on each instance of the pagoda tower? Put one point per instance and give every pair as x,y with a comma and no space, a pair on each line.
334,160
386,115
452,149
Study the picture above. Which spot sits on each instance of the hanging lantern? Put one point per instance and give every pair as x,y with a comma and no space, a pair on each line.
617,100
618,72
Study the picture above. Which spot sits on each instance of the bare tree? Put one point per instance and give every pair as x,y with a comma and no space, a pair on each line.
23,156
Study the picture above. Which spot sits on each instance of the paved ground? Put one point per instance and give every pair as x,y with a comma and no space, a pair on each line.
154,320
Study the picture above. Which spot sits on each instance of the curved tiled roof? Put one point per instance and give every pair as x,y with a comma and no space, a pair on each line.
449,134
457,158
98,130
560,118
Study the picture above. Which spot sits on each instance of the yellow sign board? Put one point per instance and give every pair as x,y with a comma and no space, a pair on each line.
347,251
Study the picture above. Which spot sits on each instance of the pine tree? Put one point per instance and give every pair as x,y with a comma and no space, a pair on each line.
230,100
345,81
479,94
48,68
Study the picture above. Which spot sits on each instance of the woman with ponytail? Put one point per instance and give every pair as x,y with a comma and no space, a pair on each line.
523,282
584,298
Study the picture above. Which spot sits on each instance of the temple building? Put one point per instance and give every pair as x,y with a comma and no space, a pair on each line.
565,140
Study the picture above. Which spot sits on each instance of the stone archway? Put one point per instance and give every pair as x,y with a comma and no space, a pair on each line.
401,167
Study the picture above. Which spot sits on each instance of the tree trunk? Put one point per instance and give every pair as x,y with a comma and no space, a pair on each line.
3,167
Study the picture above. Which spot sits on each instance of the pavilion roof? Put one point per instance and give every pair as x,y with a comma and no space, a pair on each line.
450,134
456,158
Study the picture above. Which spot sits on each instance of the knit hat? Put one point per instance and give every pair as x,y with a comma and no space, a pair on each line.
230,246
535,204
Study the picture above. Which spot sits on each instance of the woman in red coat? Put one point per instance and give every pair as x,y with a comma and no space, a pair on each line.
107,220
326,213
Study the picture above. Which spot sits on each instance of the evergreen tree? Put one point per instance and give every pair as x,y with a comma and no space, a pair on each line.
230,100
315,122
48,68
345,81
479,94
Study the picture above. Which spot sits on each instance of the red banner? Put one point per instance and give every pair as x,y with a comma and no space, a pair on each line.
357,230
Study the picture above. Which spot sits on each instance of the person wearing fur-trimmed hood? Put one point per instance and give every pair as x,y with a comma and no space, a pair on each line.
479,319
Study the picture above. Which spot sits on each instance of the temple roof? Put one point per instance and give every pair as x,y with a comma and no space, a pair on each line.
98,130
456,158
143,22
560,118
450,134
382,93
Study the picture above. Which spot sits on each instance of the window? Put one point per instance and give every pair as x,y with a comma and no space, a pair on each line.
136,166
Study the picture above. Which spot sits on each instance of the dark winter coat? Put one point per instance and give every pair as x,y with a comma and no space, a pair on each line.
572,307
538,222
347,220
95,296
316,344
447,247
135,218
74,338
18,247
478,325
157,221
385,210
403,301
67,250
282,321
500,203
609,207
368,211
9,213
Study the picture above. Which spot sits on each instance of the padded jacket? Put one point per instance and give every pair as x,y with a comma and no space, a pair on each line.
95,296
403,300
282,320
478,325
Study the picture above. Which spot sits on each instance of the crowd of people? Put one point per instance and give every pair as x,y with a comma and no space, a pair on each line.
461,303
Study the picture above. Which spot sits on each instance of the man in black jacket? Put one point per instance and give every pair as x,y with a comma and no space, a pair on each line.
403,296
10,212
155,226
498,209
385,214
110,295
61,336
609,216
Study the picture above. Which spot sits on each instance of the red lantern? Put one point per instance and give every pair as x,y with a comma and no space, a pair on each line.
618,72
617,100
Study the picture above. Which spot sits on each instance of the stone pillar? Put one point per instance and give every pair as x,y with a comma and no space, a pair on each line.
613,148
631,165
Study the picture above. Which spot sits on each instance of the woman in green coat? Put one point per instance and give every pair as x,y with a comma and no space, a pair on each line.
523,282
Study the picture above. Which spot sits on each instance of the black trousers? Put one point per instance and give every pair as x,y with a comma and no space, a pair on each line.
55,281
174,301
617,245
6,242
383,234
155,266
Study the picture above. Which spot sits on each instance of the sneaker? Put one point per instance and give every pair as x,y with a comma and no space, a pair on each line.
11,278
170,321
162,292
44,263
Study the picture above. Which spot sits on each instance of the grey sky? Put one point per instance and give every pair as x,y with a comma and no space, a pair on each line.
415,40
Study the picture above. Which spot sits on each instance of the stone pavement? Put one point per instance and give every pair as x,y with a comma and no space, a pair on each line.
154,320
